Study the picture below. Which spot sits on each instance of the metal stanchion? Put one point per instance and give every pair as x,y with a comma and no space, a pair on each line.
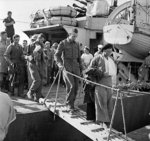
57,93
51,86
123,116
113,115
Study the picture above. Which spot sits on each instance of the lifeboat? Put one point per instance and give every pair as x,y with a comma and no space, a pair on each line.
63,20
128,27
60,15
66,11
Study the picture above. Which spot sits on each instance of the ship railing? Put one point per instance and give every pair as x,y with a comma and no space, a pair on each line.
119,94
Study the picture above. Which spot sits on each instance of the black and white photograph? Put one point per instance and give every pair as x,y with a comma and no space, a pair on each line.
74,70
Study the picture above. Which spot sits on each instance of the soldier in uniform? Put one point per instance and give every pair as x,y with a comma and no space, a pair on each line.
68,58
15,58
47,67
9,24
36,61
4,42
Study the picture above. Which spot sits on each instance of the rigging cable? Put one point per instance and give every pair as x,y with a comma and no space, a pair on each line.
19,21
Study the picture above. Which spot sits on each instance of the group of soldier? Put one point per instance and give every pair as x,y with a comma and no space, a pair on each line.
20,62
40,61
17,64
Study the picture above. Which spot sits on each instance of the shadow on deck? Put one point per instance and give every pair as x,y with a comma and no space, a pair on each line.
36,123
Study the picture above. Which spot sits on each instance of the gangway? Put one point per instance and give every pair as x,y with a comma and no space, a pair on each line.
78,120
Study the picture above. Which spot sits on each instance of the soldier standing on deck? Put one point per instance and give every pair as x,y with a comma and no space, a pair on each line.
14,57
9,24
4,42
68,58
47,67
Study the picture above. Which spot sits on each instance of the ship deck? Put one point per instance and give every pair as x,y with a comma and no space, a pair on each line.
65,126
78,120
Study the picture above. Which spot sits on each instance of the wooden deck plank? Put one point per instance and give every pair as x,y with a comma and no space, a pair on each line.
93,131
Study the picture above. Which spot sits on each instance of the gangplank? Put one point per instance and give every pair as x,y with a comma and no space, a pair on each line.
78,120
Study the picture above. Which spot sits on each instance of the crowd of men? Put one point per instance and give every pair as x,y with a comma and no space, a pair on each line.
100,69
19,62
40,62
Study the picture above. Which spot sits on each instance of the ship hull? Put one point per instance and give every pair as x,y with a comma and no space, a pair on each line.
137,44
124,38
138,47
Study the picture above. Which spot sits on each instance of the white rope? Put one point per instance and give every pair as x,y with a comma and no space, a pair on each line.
51,86
81,78
56,98
91,81
115,106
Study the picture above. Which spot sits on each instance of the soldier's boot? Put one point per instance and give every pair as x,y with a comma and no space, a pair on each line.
30,95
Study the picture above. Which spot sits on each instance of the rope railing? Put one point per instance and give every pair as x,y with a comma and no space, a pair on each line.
116,88
118,91
95,83
115,106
